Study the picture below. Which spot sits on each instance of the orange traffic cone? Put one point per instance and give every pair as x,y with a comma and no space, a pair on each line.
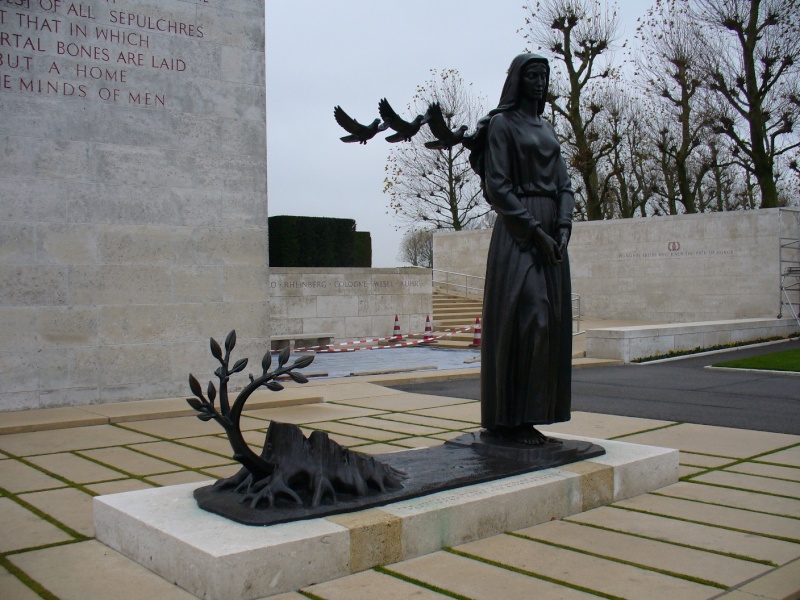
428,330
476,339
397,335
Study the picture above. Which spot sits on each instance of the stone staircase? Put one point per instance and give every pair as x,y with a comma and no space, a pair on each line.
453,312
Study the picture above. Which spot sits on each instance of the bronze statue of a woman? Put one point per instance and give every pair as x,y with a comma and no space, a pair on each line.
526,352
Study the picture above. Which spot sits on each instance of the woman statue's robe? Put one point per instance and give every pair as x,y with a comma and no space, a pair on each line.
526,350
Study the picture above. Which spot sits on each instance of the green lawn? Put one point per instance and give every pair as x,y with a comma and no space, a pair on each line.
787,360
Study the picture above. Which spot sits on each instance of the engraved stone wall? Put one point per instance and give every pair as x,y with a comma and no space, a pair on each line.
667,269
132,194
349,303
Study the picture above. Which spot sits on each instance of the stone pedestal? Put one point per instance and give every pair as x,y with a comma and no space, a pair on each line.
212,557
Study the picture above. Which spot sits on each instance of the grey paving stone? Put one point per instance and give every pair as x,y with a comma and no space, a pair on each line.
659,555
704,537
18,477
23,529
735,498
92,570
749,482
589,572
371,585
734,518
69,506
65,440
480,581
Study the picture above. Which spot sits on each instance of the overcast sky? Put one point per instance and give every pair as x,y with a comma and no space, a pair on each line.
321,53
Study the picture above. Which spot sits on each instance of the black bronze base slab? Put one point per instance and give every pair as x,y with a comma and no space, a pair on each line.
469,459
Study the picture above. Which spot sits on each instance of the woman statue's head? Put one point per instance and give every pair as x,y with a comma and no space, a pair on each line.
512,90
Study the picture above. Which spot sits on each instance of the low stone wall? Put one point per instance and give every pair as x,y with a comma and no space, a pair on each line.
664,269
641,341
350,303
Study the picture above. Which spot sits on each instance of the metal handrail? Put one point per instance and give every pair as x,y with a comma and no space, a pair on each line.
465,287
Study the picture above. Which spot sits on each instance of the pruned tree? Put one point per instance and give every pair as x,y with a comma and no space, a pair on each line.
579,35
754,71
437,187
670,72
627,177
416,248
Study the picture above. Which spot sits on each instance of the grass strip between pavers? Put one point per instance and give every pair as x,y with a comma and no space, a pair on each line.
420,583
34,585
685,520
621,561
532,574
759,561
45,517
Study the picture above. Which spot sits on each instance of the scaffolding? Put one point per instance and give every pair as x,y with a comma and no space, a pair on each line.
789,256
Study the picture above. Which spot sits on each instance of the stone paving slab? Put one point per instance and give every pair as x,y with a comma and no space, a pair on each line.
702,460
418,442
779,584
363,586
716,515
378,448
118,487
481,581
469,412
66,440
62,571
686,471
46,419
403,401
365,433
764,470
719,441
23,529
182,455
68,506
17,477
215,444
394,426
181,427
179,478
74,468
604,426
311,413
422,420
789,457
734,498
14,589
749,482
651,553
590,572
129,461
344,440
691,534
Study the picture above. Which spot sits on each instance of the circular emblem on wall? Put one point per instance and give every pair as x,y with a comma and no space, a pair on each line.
674,246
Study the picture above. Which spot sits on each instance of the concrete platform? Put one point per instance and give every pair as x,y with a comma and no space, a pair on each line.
211,557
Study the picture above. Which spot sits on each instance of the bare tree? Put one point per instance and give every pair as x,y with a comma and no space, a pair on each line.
627,179
670,71
755,71
579,34
437,187
416,248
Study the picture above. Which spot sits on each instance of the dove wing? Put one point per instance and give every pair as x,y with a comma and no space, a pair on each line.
346,122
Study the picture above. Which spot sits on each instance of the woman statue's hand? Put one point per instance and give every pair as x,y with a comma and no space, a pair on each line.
547,247
563,239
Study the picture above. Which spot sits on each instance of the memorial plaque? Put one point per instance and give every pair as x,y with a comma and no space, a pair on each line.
133,194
